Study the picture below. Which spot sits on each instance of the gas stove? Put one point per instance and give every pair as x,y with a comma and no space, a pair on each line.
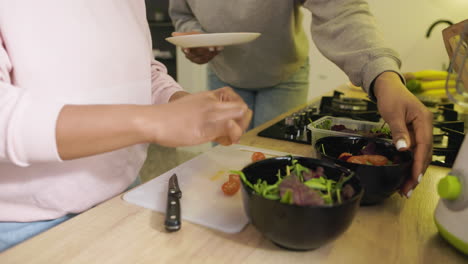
294,127
448,128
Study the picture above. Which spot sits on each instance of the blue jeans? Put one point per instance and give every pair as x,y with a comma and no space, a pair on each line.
12,233
269,102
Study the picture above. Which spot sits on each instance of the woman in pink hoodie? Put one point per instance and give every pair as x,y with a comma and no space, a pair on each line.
80,98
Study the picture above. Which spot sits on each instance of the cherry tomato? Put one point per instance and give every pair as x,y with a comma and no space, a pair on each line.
230,187
234,177
256,156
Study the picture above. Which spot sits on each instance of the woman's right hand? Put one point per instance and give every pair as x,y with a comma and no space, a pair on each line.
200,55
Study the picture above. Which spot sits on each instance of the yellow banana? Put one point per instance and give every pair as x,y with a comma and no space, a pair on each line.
438,84
428,75
437,92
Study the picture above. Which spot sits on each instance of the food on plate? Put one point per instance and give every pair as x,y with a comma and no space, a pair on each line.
231,186
303,186
256,156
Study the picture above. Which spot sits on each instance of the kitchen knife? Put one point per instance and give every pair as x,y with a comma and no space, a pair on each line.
172,222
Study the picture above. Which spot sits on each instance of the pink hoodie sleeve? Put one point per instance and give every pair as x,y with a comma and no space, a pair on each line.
163,85
27,121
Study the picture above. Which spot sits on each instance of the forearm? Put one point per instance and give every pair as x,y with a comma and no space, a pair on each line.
85,130
346,33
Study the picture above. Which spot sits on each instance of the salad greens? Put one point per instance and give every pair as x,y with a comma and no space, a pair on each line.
379,132
302,186
384,131
326,124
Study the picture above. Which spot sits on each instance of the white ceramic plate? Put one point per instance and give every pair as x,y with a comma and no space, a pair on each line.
213,39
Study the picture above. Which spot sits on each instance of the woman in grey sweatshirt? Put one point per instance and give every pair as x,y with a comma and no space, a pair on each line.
271,73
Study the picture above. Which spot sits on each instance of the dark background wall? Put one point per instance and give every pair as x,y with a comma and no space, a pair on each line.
160,30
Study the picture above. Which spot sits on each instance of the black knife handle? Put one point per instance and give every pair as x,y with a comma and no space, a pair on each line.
172,221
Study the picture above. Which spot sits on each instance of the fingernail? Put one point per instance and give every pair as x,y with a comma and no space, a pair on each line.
419,178
186,50
401,143
211,49
219,48
408,194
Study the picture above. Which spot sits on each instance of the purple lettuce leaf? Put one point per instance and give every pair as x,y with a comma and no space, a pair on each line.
369,149
347,192
343,128
301,194
317,173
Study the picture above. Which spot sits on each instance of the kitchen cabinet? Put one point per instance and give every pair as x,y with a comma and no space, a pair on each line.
161,27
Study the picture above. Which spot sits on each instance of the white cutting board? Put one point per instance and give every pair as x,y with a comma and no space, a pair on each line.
200,179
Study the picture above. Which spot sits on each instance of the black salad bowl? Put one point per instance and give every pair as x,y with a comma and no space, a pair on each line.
292,226
379,182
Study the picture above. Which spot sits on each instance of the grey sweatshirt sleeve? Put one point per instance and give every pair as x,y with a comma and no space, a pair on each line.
345,32
182,17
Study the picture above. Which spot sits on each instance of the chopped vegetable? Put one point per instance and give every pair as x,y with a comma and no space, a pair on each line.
232,185
368,156
300,193
234,177
344,156
301,186
382,132
326,124
376,160
256,156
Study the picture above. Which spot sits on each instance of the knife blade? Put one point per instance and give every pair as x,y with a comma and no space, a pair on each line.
172,221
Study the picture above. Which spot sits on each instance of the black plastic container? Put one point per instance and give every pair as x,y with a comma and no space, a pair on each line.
297,227
379,182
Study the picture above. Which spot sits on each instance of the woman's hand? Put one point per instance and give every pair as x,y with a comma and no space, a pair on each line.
410,122
226,94
219,115
200,55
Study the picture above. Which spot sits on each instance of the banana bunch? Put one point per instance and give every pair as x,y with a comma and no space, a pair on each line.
429,82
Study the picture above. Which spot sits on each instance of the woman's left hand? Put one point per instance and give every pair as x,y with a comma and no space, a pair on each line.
410,122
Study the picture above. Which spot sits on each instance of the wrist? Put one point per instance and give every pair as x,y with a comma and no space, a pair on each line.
143,124
383,82
178,95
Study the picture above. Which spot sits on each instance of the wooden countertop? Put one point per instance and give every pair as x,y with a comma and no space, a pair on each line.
398,231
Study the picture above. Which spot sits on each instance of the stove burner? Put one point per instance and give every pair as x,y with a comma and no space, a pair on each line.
445,151
353,104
